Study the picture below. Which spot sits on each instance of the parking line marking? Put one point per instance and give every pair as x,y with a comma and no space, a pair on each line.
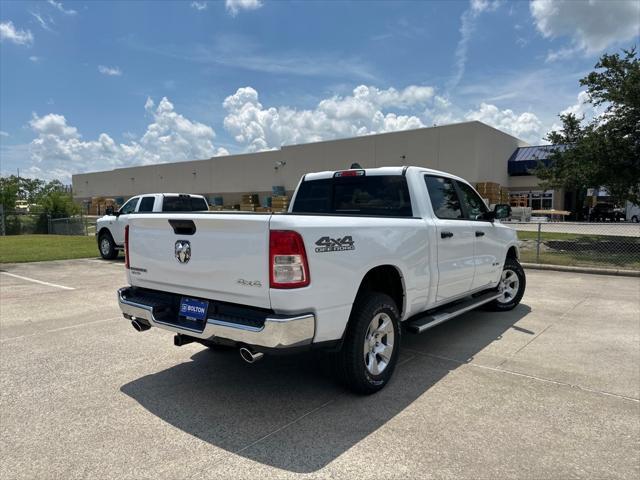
68,327
38,281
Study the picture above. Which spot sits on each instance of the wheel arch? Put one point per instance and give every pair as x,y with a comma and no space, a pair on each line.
513,252
387,279
103,231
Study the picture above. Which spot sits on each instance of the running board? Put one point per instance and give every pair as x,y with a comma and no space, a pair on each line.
422,324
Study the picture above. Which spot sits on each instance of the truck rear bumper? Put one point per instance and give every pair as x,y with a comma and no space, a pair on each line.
276,331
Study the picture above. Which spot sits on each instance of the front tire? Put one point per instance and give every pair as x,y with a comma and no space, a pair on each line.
634,219
512,283
107,246
371,346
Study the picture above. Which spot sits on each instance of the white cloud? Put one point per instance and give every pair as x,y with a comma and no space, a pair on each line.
110,71
363,112
591,25
35,59
20,37
467,26
59,150
41,20
58,6
199,5
582,106
3,133
234,6
526,125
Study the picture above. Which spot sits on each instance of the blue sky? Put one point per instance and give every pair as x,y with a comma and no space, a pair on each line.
88,86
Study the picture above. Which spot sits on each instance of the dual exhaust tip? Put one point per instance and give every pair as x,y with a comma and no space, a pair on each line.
249,356
246,354
139,326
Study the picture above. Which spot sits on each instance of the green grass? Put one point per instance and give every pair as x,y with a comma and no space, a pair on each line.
612,260
37,248
575,249
560,236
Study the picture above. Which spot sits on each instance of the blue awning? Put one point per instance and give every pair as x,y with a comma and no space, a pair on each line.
525,159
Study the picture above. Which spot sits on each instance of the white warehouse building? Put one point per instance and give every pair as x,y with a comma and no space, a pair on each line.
472,150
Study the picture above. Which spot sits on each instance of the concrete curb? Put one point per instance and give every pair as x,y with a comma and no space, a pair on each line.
594,270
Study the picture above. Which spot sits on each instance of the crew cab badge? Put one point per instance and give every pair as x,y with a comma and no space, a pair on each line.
183,251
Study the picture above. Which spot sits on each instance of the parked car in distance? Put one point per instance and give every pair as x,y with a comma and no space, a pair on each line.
22,206
110,227
632,212
359,254
602,212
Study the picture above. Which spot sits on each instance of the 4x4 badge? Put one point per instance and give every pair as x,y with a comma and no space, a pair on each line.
328,244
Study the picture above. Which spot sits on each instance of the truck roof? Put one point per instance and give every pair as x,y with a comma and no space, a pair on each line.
169,194
400,170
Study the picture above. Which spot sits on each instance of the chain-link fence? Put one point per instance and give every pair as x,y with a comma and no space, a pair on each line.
606,245
18,223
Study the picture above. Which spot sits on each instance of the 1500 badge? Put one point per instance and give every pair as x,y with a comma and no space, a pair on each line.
328,244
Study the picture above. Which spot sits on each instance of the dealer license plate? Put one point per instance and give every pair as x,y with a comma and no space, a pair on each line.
193,309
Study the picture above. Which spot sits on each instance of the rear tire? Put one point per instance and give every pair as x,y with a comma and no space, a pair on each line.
107,246
371,346
634,219
513,282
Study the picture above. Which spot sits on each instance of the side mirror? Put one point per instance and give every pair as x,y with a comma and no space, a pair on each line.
108,211
501,210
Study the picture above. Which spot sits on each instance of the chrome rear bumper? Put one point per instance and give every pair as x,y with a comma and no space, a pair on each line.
278,331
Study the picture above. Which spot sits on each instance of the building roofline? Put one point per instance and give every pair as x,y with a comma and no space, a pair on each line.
298,145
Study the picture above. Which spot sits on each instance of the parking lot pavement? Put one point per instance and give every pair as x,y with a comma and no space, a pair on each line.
549,390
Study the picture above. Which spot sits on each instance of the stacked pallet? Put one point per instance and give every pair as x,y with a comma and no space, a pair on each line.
249,202
518,200
504,195
490,191
99,205
280,203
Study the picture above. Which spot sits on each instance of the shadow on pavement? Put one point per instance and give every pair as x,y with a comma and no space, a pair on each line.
246,409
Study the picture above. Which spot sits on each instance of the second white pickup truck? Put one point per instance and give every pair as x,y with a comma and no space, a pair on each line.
110,227
360,254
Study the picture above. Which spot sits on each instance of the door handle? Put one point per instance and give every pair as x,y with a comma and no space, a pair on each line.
479,234
446,234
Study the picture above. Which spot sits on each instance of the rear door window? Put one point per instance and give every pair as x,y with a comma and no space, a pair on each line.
379,195
184,203
444,198
146,204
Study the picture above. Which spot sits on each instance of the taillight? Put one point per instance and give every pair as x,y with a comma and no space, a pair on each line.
287,260
126,246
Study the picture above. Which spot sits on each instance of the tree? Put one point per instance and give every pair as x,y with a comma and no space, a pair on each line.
51,198
606,151
9,192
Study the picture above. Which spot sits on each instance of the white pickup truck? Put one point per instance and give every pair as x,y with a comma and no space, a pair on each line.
359,253
110,227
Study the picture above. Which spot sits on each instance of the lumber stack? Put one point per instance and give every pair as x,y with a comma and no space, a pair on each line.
249,202
279,203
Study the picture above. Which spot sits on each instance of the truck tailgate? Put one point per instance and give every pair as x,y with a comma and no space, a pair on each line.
228,255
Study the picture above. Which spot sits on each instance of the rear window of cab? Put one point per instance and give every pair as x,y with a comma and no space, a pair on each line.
379,195
184,203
